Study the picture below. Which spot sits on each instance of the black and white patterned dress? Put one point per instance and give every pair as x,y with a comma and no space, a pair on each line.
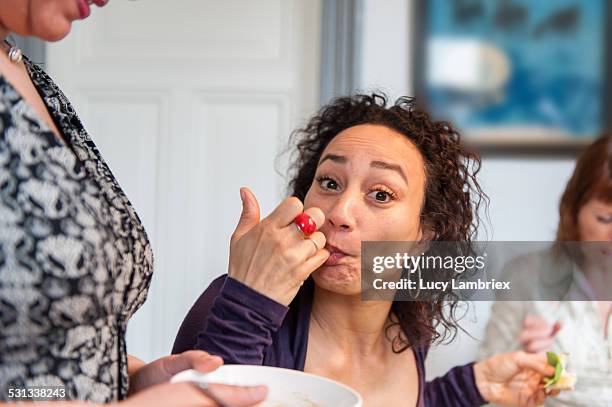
75,262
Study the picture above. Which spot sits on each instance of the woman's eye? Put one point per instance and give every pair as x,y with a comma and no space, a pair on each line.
605,219
381,196
328,183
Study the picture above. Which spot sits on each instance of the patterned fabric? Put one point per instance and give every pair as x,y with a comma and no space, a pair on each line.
75,261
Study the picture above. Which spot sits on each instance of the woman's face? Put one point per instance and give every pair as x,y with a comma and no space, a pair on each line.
595,225
595,221
49,20
370,184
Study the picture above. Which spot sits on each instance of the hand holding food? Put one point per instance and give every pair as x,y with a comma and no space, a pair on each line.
561,380
276,255
513,378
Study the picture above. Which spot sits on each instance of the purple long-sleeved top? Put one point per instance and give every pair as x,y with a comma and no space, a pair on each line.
244,327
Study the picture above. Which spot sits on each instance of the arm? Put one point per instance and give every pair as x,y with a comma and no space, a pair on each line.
506,319
456,388
233,321
134,364
503,328
513,378
269,261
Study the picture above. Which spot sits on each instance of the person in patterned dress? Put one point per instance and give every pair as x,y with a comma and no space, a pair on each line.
75,261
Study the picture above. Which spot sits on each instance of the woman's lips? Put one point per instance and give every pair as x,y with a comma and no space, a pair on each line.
335,255
84,8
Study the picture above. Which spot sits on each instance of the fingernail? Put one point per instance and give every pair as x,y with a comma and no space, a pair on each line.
242,195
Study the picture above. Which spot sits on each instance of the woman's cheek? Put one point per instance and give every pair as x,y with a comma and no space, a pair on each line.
394,228
312,198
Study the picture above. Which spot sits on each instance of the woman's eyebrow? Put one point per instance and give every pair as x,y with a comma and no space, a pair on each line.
340,159
388,166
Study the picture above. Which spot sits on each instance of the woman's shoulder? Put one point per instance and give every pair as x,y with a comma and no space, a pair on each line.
215,286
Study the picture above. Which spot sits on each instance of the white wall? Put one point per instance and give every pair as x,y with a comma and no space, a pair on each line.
524,193
188,101
386,42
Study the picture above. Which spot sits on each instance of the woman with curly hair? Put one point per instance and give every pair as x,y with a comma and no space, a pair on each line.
364,171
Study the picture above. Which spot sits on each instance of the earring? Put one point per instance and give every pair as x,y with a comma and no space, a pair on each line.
15,54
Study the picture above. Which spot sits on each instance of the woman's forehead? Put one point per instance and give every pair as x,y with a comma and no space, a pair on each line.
375,142
599,205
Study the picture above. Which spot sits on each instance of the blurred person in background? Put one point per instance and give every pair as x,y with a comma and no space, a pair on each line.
581,328
75,261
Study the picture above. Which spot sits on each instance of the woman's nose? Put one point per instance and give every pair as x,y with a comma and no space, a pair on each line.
341,214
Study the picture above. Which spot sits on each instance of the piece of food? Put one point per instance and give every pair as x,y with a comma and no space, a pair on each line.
562,379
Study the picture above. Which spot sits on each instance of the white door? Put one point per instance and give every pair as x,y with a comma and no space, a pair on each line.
189,100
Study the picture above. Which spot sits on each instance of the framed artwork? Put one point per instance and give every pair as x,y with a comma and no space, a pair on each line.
516,74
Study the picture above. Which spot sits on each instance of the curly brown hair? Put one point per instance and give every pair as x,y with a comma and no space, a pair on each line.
452,194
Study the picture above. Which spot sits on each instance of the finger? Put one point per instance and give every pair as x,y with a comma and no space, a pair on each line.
206,364
537,362
313,263
317,215
193,359
556,328
295,233
540,345
239,396
534,320
537,399
249,216
304,249
534,333
285,213
308,249
171,394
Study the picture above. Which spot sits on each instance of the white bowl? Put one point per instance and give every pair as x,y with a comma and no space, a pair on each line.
287,388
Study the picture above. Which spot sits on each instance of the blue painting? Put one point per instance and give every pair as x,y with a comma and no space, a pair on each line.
517,64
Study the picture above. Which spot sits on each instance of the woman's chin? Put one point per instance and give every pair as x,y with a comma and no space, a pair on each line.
53,32
341,279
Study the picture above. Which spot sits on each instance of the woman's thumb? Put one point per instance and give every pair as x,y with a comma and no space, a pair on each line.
249,216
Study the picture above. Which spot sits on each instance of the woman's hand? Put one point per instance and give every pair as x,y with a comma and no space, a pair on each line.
163,369
188,395
513,378
538,334
149,384
271,256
